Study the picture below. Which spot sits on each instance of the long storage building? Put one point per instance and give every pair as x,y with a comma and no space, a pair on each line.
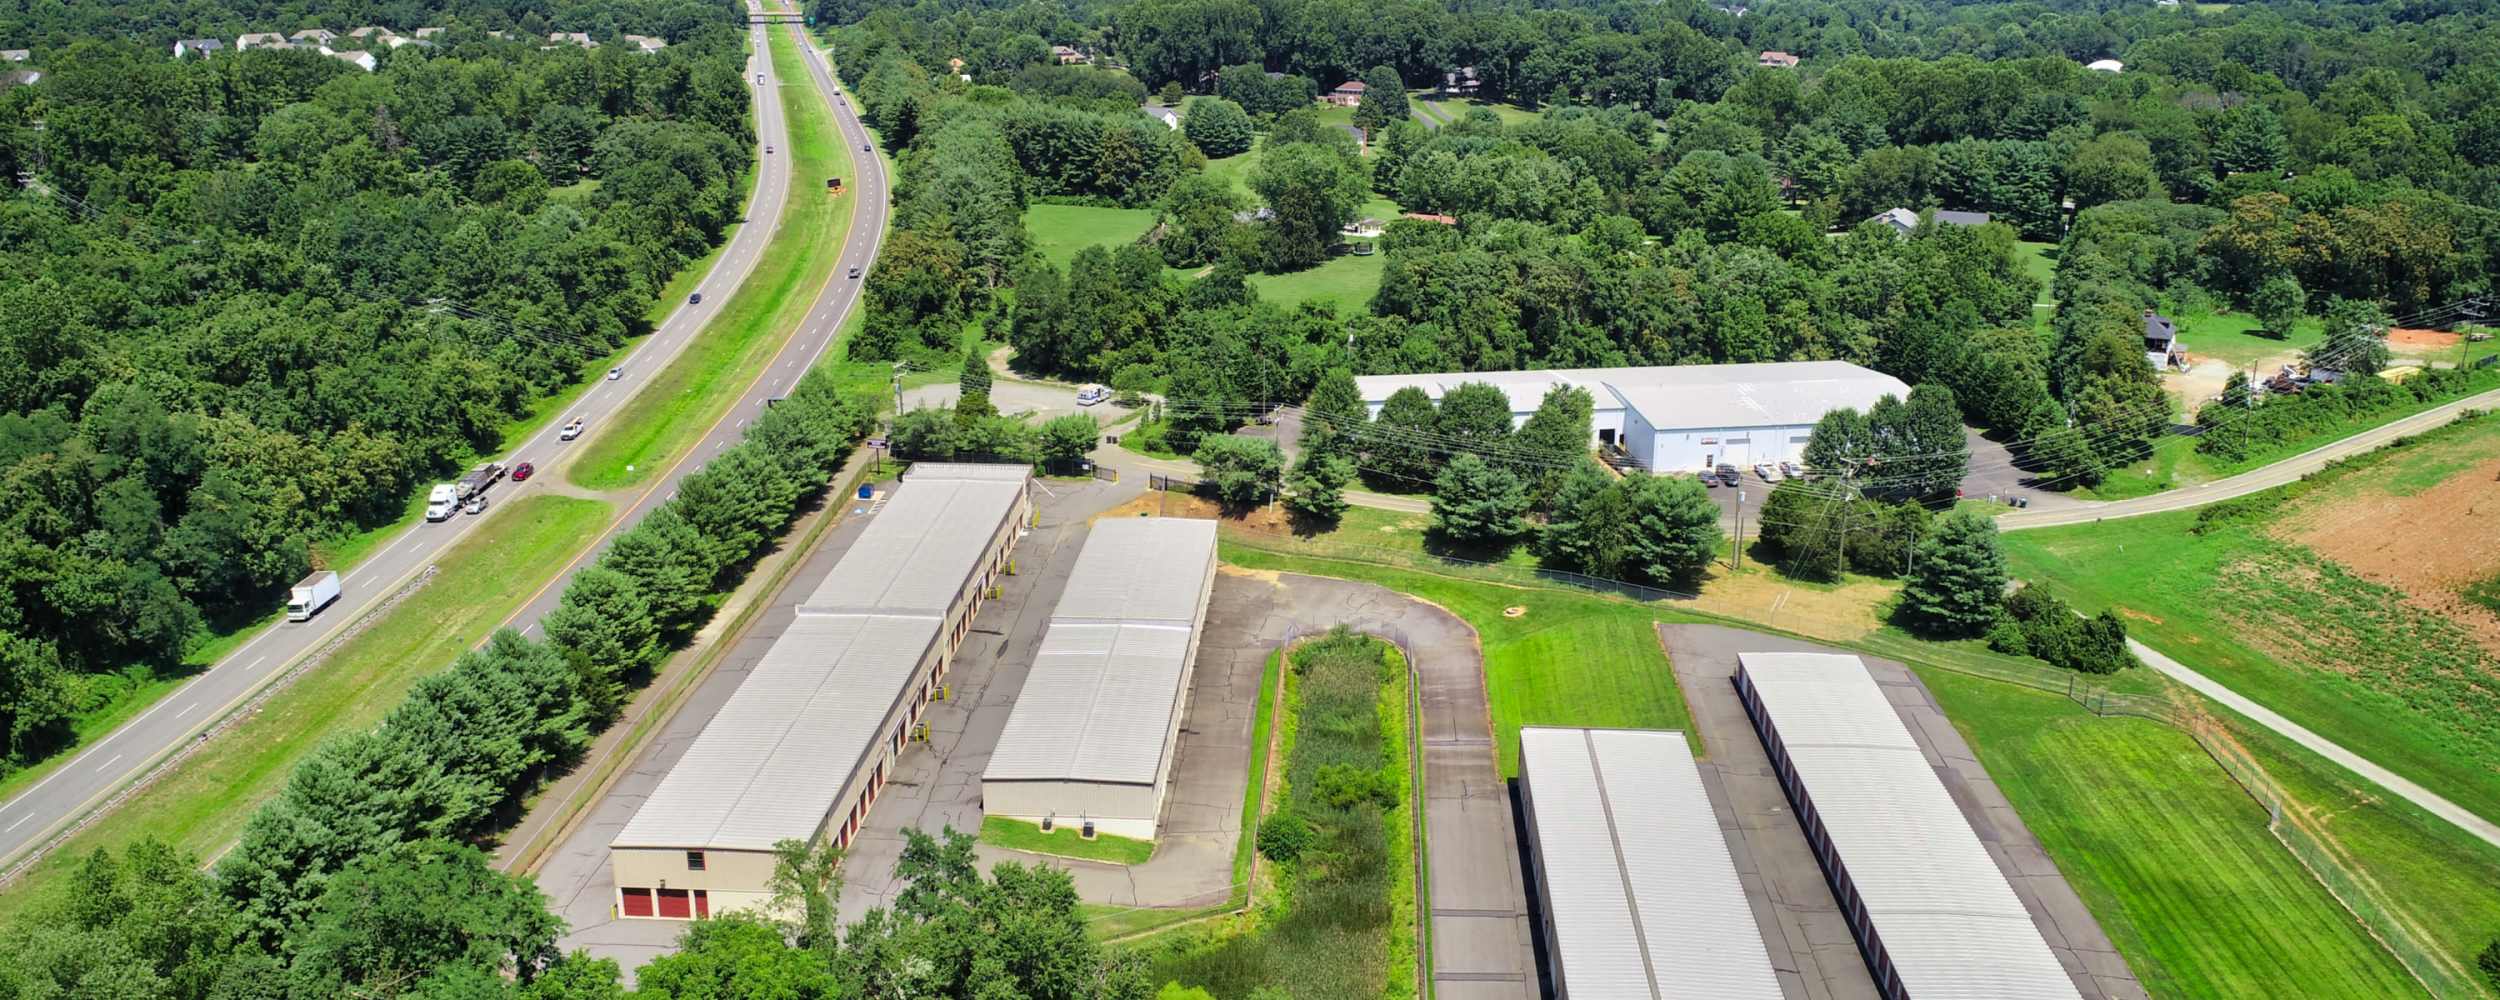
1680,416
801,749
1092,736
1635,879
1934,916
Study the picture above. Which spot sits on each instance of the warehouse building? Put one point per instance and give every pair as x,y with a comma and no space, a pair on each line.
1681,416
1638,888
802,748
1933,914
1091,739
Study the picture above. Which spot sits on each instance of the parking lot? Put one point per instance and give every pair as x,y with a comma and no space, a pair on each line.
1808,938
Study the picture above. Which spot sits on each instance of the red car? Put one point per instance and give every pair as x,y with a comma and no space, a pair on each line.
522,471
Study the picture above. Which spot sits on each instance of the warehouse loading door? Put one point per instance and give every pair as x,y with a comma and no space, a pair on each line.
637,902
676,904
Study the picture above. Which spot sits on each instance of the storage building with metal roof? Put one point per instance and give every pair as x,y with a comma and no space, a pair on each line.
1935,917
1634,876
1676,417
1092,737
804,745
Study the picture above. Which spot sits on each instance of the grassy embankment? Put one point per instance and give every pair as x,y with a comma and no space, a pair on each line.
201,806
1345,923
2172,857
679,404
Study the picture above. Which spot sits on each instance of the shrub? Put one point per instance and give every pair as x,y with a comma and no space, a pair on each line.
2007,638
1284,836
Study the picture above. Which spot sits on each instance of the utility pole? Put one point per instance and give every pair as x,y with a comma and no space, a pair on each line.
1740,529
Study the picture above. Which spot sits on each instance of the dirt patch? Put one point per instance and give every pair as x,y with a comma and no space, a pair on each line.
2127,612
2431,545
1191,505
2405,336
1844,612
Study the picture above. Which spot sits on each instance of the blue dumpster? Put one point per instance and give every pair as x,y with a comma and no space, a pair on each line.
867,492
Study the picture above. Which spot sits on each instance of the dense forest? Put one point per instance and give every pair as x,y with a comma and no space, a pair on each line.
49,27
255,300
1673,202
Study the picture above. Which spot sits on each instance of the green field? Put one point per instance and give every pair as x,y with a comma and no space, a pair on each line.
2172,857
681,402
201,806
1346,281
1059,231
1065,841
1567,659
2342,655
2236,339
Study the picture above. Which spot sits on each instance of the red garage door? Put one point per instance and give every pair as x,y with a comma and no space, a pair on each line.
676,903
702,904
637,902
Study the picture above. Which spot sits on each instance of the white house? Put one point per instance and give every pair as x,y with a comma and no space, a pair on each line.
2106,66
645,43
314,36
1681,416
360,60
202,47
1171,118
261,40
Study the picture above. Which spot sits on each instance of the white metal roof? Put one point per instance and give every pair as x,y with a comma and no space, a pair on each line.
1105,688
1644,897
772,763
920,550
1769,394
967,471
1140,569
1947,916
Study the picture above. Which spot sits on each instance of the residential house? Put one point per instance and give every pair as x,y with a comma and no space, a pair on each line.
645,43
314,36
373,33
428,32
16,55
1430,217
2106,66
1344,95
1950,217
2162,348
261,40
1068,56
1461,82
1170,117
202,47
1776,59
21,77
1903,220
581,38
354,57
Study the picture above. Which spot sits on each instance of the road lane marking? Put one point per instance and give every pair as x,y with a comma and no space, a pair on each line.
117,758
186,709
256,663
21,821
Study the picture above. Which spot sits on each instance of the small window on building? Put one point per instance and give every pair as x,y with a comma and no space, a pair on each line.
694,861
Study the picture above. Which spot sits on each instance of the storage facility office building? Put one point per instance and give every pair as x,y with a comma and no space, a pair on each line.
1093,734
1933,914
802,748
1681,417
1633,875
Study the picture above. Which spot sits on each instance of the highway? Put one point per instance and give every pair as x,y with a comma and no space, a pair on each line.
53,806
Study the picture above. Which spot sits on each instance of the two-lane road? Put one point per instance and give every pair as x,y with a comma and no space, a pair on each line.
35,817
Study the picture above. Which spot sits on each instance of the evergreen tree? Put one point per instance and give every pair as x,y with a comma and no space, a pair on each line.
1959,582
1384,100
1840,444
1219,128
1589,526
1475,503
1399,442
1333,418
1317,485
1674,530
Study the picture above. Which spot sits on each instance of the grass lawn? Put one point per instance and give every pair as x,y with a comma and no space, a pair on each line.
2039,260
1568,659
1065,841
201,806
2172,857
2236,340
2340,654
1059,231
1345,281
682,401
1511,114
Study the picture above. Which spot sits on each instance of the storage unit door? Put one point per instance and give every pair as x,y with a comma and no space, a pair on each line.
702,904
676,903
637,902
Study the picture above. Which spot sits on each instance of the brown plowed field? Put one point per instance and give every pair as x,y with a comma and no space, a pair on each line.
2431,543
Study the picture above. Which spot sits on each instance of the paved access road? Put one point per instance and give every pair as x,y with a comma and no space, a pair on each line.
2261,478
35,816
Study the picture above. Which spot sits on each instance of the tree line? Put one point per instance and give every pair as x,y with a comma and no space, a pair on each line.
256,301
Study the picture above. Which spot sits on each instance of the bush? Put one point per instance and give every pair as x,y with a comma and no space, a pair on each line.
2283,421
2052,631
1284,836
2007,637
1344,786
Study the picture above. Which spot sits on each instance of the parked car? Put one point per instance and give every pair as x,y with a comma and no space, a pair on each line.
1790,470
1091,395
615,373
1728,474
1762,471
572,429
477,505
1709,478
522,471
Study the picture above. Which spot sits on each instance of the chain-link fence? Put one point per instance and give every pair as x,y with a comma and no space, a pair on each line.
2443,975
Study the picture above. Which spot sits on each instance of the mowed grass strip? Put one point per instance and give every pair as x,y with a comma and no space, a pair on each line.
1059,231
1566,659
2173,859
1064,840
201,805
683,400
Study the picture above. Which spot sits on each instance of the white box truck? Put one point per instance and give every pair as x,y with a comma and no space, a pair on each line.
312,594
442,503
